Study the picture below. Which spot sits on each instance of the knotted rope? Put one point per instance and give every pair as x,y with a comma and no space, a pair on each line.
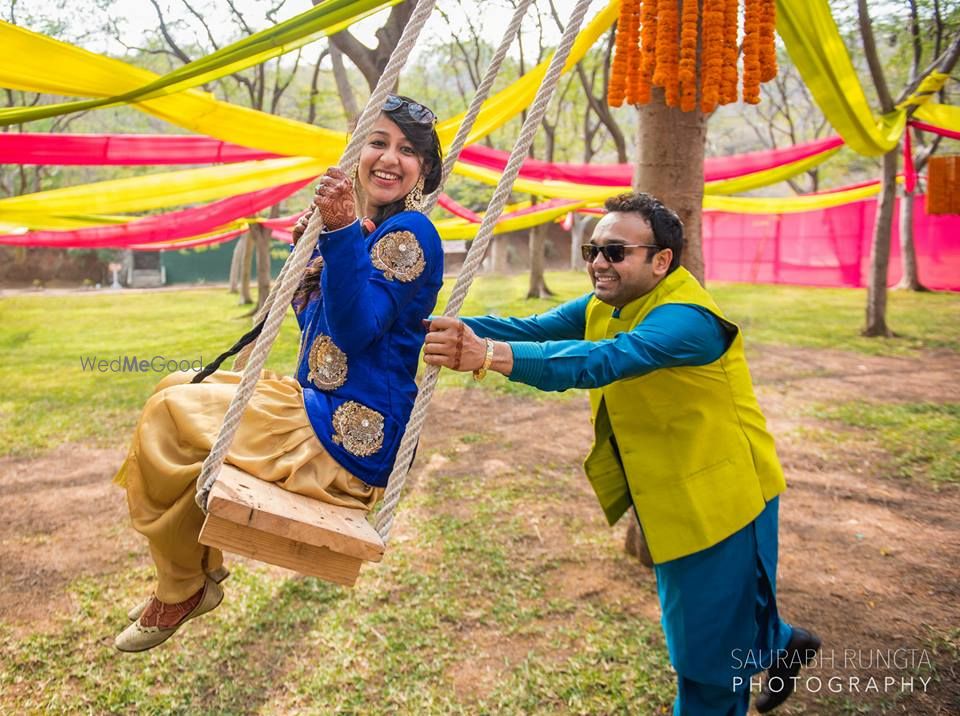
472,263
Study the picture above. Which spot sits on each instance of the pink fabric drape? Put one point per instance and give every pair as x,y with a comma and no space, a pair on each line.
715,168
942,131
159,228
120,149
145,149
206,241
828,247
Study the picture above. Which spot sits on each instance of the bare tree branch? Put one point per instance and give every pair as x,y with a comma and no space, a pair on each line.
239,19
873,59
203,23
181,55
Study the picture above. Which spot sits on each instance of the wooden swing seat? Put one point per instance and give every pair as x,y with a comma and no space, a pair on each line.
262,521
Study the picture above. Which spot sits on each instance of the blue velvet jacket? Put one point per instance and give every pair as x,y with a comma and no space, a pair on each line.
361,338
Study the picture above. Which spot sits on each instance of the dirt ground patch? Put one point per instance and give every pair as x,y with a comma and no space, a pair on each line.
867,560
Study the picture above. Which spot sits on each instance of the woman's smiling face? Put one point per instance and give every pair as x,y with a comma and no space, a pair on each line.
389,166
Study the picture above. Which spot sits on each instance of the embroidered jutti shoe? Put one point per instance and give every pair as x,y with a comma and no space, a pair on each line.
217,575
140,636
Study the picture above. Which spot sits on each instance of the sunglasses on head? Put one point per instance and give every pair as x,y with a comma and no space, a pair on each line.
417,112
614,253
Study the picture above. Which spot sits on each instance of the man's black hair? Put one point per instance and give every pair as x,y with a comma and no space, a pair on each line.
665,224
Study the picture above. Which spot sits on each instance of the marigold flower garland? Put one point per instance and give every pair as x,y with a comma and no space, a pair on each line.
648,48
666,70
634,60
711,55
657,43
752,13
687,73
768,48
729,78
617,87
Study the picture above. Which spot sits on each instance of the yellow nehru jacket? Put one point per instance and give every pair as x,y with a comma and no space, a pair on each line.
688,446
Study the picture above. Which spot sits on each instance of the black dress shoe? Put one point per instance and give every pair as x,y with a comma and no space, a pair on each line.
801,650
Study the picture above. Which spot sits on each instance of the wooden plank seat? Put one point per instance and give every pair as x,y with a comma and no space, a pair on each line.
262,521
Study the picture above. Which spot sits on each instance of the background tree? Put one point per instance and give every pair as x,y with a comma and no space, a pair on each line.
923,38
876,323
261,87
371,61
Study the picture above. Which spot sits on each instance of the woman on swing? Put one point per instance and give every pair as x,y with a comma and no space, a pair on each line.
332,431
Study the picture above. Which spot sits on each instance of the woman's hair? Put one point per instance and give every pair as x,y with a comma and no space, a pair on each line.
425,143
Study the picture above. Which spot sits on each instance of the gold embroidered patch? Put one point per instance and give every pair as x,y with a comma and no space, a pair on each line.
328,364
358,428
399,256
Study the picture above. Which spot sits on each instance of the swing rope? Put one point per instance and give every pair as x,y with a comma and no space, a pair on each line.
459,142
297,261
473,260
252,359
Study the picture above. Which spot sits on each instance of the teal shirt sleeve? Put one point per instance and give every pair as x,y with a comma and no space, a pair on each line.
670,336
565,322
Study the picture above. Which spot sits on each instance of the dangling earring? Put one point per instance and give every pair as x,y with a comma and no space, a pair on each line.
414,200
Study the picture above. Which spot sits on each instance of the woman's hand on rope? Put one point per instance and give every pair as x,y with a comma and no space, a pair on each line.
335,200
302,222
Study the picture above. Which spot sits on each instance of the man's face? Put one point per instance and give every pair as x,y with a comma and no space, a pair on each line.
620,283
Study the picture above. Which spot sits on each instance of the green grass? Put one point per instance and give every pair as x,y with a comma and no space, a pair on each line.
923,438
47,399
472,627
833,318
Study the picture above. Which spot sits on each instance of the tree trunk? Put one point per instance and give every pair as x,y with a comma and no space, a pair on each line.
262,241
538,285
635,543
670,150
235,262
910,280
246,266
579,235
342,79
880,251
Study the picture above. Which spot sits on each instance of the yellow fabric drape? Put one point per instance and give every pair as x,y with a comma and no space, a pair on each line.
816,48
37,63
54,209
790,204
451,229
155,191
326,18
945,116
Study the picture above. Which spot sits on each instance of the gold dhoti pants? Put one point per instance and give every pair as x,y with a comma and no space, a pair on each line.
179,423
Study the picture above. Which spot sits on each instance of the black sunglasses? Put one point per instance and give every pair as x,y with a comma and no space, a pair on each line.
614,253
417,112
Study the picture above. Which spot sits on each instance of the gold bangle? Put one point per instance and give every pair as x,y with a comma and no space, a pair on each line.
481,372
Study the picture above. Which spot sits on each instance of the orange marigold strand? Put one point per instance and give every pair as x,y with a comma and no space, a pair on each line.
648,49
711,62
633,58
668,52
751,51
768,45
728,82
616,89
687,71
